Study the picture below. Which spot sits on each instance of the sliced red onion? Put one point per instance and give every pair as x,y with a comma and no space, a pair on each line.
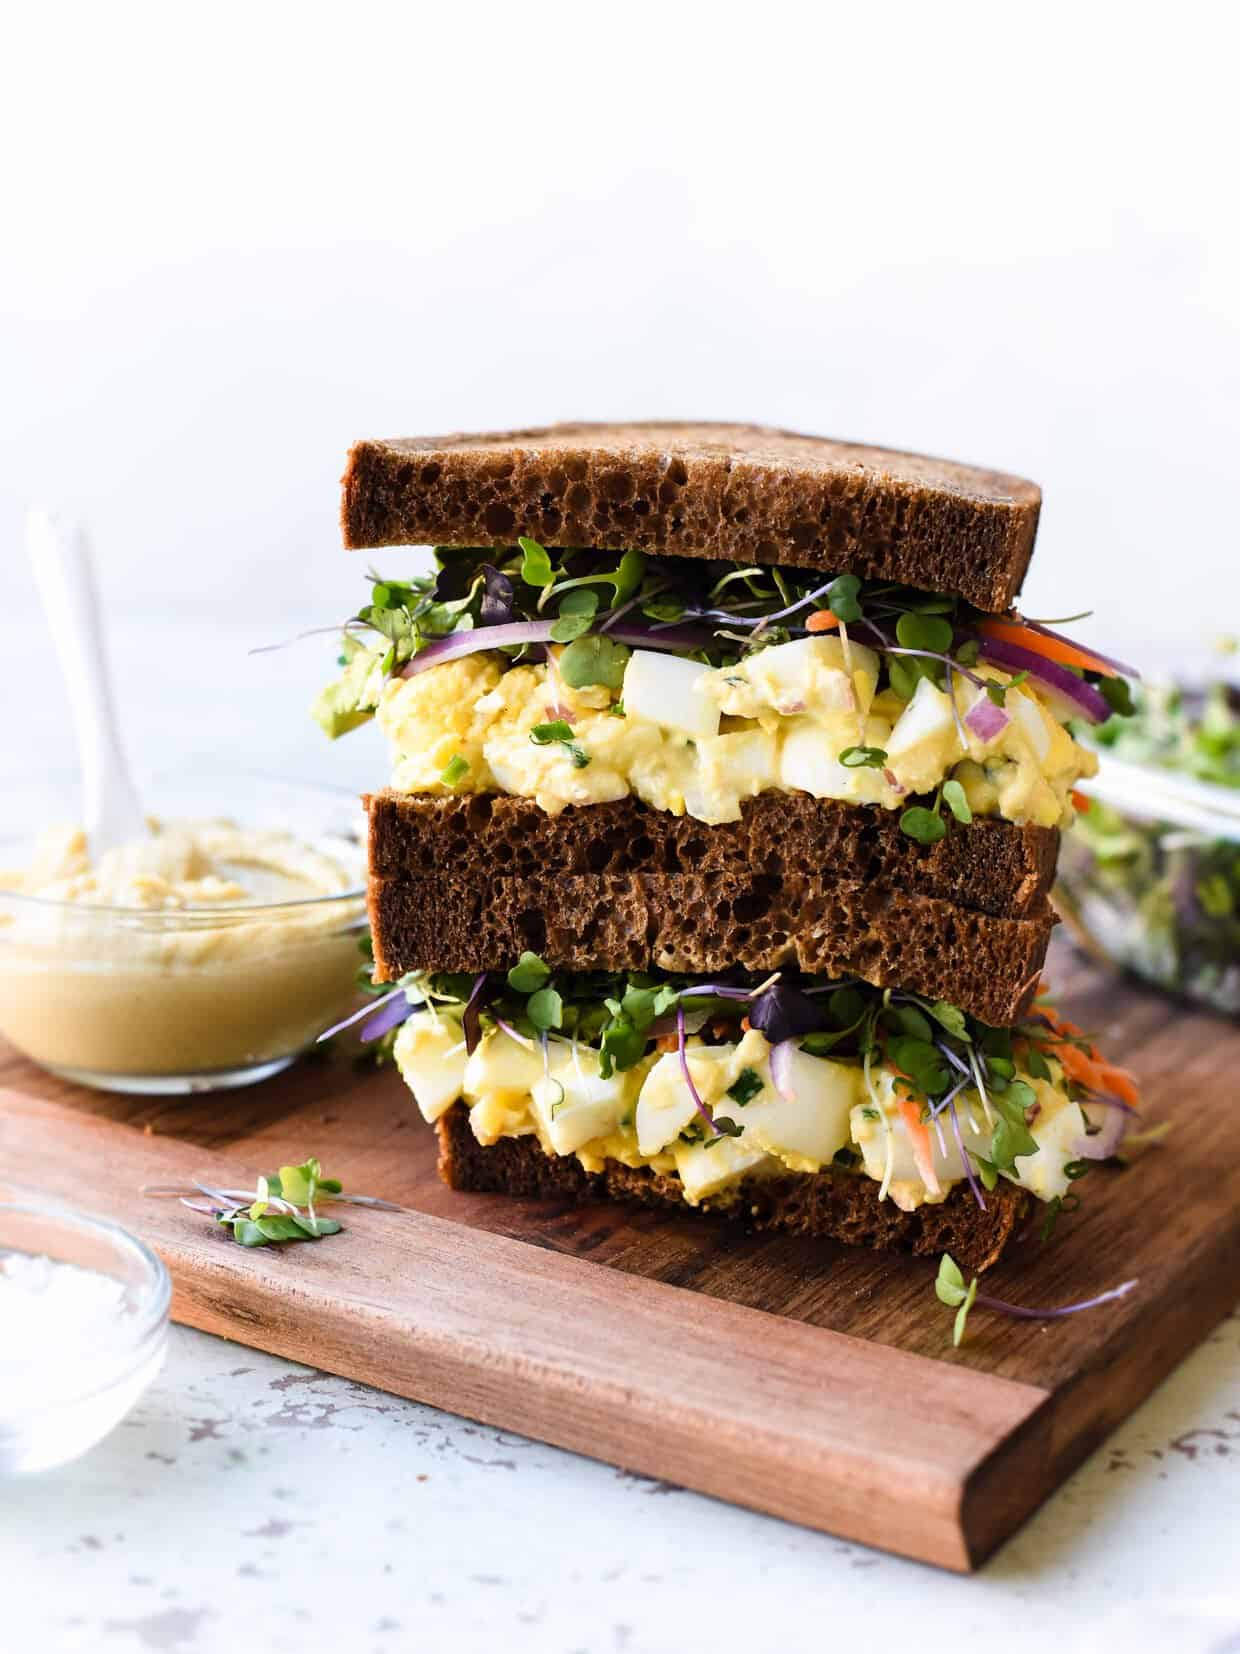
470,642
985,719
684,1069
781,1069
672,640
1117,666
1081,699
1101,1145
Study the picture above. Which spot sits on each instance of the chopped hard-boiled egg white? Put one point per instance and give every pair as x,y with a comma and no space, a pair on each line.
430,1053
823,1112
697,740
667,690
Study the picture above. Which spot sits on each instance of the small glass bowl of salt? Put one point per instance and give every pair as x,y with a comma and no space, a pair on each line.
83,1330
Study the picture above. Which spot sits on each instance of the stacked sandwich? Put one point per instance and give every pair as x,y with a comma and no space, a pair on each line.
726,796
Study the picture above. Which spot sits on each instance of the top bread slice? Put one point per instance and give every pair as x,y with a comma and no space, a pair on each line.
746,493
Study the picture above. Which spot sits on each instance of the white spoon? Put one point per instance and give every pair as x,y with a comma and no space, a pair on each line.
65,576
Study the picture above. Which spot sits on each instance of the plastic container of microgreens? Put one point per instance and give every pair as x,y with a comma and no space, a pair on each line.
1149,876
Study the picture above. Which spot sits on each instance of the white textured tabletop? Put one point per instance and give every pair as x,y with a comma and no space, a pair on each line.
251,1502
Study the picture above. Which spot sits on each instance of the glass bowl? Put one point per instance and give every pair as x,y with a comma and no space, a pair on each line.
89,1338
1149,880
186,999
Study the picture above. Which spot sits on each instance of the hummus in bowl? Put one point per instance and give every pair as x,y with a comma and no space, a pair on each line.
206,955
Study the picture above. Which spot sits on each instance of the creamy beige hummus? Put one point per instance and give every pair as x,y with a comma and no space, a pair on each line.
205,947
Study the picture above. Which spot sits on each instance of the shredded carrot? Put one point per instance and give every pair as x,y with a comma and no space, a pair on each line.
667,1042
745,1025
822,620
1090,1068
1050,648
1080,802
919,1137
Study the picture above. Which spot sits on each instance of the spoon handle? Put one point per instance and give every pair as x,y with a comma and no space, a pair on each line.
65,576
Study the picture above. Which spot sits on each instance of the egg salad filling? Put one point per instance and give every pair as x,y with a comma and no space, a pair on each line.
715,1083
570,679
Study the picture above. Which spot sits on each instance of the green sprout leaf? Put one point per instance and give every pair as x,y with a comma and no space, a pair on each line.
949,1286
528,974
545,1009
957,803
536,567
926,826
842,598
950,1289
962,1314
855,758
577,611
951,1018
594,660
924,631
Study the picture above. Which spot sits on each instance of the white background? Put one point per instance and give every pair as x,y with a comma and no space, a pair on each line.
239,237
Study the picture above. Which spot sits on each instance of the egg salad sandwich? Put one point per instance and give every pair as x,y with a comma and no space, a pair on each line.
725,803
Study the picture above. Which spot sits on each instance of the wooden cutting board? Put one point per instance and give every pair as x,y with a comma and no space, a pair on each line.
807,1380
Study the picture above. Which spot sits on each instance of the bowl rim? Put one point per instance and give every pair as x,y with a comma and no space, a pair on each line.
234,912
153,1313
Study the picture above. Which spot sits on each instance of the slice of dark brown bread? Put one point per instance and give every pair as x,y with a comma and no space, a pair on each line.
704,923
830,1205
743,492
991,866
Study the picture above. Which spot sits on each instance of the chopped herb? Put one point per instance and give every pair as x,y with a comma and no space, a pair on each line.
854,758
456,769
545,735
724,1127
745,1087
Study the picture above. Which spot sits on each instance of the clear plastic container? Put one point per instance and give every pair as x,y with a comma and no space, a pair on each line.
188,999
83,1330
1149,880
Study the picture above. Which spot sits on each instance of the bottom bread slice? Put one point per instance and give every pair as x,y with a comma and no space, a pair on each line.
828,1205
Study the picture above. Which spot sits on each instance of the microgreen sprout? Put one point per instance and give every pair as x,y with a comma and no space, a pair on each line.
595,605
281,1208
950,1289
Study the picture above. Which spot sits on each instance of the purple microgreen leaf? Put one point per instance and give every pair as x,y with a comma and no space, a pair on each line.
471,1021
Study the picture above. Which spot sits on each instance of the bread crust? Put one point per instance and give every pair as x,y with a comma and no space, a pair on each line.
991,866
829,1205
750,493
703,924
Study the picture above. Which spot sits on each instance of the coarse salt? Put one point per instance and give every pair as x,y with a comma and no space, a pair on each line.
53,1316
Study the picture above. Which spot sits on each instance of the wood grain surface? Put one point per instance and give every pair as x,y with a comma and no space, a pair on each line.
804,1379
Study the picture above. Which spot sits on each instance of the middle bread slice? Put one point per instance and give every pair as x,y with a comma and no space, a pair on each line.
469,883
